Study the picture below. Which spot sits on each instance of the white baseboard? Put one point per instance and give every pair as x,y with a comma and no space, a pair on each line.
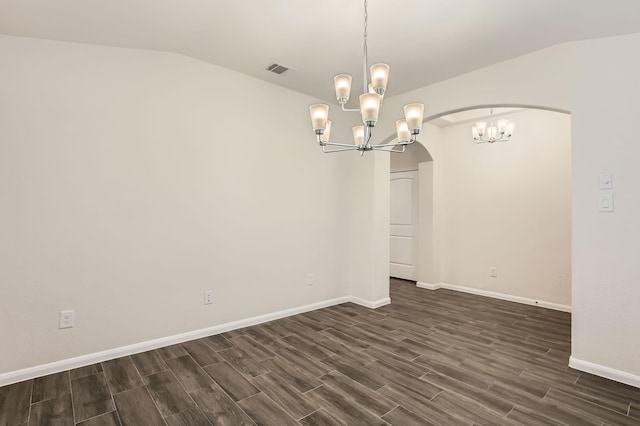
606,372
492,294
81,361
369,303
427,286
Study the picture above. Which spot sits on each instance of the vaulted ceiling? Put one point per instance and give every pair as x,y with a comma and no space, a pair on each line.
424,41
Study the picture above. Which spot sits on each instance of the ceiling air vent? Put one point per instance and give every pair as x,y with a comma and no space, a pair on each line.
277,68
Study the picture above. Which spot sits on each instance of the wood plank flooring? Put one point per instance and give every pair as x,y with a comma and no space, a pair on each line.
429,358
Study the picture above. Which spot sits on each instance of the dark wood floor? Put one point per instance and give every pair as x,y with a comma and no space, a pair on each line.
440,358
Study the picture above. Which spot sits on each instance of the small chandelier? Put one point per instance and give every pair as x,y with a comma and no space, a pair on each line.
370,101
500,133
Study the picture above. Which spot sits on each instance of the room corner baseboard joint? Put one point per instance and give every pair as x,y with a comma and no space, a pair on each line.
373,304
606,372
427,286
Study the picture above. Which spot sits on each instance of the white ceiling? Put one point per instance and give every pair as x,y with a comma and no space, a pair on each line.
424,41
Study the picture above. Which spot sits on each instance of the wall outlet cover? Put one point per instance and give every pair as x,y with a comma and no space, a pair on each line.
67,319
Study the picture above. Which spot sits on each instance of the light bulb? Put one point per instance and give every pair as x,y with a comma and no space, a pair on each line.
474,132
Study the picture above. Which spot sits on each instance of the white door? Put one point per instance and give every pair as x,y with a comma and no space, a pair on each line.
404,225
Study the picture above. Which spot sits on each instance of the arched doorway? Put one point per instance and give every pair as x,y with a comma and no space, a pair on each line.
501,210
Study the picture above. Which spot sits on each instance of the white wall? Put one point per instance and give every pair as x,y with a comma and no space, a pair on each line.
130,183
508,205
595,80
366,212
124,194
428,270
357,226
430,207
414,154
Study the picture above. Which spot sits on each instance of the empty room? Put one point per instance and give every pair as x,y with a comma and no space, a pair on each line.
319,213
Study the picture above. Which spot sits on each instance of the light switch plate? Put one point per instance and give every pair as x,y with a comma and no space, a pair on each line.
606,203
606,181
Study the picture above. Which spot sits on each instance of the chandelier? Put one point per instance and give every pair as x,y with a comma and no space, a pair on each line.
370,101
500,133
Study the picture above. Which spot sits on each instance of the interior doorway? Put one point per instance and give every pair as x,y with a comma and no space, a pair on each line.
407,218
498,211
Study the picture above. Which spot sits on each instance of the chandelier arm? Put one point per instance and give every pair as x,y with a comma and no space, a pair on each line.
388,145
389,150
491,141
350,109
353,148
337,144
395,144
327,143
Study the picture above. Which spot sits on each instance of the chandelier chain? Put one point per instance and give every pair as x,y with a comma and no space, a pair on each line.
365,21
365,59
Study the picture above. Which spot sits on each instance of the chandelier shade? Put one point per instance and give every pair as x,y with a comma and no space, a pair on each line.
379,78
414,114
319,117
343,87
327,132
358,135
374,88
370,108
402,131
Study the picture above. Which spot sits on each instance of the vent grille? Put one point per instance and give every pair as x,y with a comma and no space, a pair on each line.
277,68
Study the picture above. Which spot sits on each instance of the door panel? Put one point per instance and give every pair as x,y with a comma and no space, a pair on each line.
402,250
402,199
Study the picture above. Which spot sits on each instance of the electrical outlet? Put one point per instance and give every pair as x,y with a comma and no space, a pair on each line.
208,297
310,279
67,319
493,272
